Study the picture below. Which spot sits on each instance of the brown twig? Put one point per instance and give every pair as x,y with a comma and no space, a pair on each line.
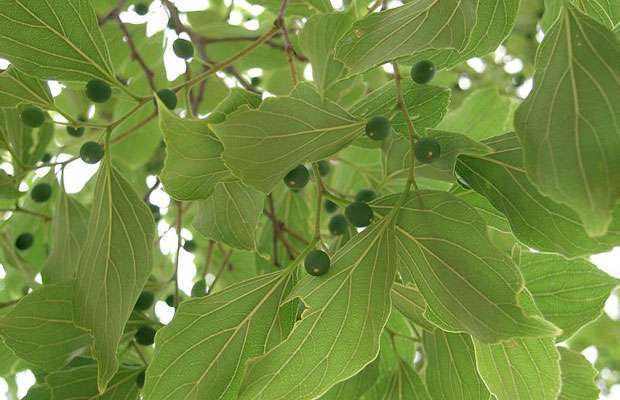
208,258
26,211
221,270
178,225
288,48
412,133
113,13
135,55
275,227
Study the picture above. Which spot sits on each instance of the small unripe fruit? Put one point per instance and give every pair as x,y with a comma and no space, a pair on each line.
171,24
427,150
141,9
156,212
24,241
140,380
145,335
255,80
47,157
324,167
41,192
337,225
91,152
189,246
199,288
359,214
75,132
317,263
170,300
378,128
98,91
33,116
168,97
365,195
518,80
145,301
183,48
330,206
423,71
297,178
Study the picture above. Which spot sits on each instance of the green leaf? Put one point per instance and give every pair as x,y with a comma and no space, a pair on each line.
63,41
261,145
235,99
536,220
8,187
323,350
468,284
569,124
114,265
578,377
80,383
451,367
230,215
569,293
403,31
216,335
25,144
405,384
410,303
356,386
17,88
40,329
194,162
69,229
607,12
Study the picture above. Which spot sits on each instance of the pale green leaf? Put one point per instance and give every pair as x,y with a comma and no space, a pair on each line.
410,303
114,265
261,145
40,329
578,377
322,351
607,12
569,125
354,387
17,88
235,99
405,384
8,187
80,383
59,40
230,215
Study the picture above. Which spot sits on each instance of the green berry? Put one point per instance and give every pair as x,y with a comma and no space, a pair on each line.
91,152
170,300
140,380
255,80
145,335
423,71
24,241
98,91
297,178
145,301
156,212
317,263
171,24
427,150
365,195
41,192
324,167
200,288
168,97
33,116
141,8
189,246
183,48
518,80
378,128
47,157
337,225
330,206
75,132
359,214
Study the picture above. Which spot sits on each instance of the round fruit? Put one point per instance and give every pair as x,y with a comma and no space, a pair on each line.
41,192
255,80
183,48
189,246
365,195
427,150
47,157
378,128
140,380
359,214
200,288
24,241
145,301
156,212
317,263
324,167
141,9
337,225
33,116
330,206
171,24
170,300
145,335
423,71
75,132
98,91
518,80
297,178
91,152
168,97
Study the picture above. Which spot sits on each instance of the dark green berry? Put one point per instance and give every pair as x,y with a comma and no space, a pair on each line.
518,80
359,214
41,192
168,97
189,246
255,80
337,225
170,300
183,48
297,178
33,116
47,157
365,195
378,128
156,212
423,71
171,24
145,301
427,150
98,91
330,206
140,380
199,288
91,152
145,335
75,132
324,167
317,263
141,8
24,241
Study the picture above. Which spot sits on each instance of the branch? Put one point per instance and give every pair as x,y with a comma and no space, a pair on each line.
288,48
412,133
113,13
135,54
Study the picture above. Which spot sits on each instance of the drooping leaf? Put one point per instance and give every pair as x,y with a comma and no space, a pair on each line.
405,384
80,383
578,377
410,303
322,351
17,88
569,124
114,265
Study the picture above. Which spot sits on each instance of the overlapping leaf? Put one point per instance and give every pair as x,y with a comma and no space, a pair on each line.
405,384
410,303
80,383
578,377
17,88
